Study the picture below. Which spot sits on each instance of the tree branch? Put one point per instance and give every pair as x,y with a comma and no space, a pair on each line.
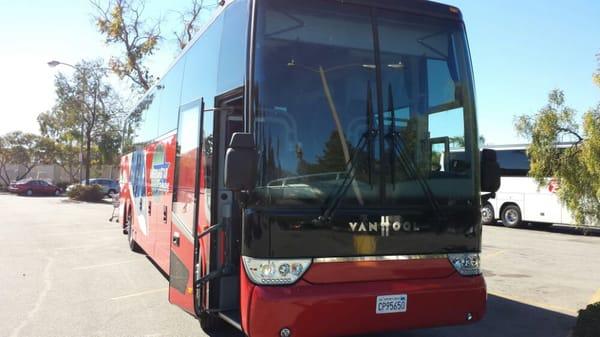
571,132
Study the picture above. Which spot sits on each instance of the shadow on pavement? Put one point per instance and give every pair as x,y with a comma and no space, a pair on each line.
228,331
560,229
570,230
504,318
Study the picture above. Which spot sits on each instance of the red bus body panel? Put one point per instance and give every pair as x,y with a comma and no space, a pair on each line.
339,307
154,238
368,271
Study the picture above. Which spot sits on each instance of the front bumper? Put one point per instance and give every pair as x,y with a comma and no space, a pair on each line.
344,309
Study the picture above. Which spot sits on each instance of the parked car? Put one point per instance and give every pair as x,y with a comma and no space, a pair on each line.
109,186
30,187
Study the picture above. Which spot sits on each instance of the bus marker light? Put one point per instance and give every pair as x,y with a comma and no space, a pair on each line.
297,269
275,271
284,269
466,264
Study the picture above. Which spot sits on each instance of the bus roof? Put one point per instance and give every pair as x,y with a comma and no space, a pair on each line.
420,6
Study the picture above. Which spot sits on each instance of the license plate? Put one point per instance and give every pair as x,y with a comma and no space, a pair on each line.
389,304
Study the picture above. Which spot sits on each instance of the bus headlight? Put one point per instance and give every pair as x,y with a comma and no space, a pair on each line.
467,264
275,271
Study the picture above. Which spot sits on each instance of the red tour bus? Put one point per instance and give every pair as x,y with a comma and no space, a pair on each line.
287,178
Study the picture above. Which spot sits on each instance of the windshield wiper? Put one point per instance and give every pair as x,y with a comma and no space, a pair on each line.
365,141
398,144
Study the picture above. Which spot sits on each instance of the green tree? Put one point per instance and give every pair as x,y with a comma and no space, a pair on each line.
576,168
66,155
87,113
459,142
24,149
331,160
4,161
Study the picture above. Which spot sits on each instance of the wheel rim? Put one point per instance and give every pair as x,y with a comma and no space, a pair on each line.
57,192
486,214
29,192
511,216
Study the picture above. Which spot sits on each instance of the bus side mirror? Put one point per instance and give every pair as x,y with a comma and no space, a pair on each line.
490,171
240,162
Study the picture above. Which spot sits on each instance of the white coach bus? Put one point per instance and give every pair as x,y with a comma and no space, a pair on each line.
520,199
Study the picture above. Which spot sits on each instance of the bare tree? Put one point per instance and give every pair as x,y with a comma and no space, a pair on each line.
191,20
122,24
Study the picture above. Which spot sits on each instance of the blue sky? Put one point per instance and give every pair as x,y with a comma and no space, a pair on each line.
521,50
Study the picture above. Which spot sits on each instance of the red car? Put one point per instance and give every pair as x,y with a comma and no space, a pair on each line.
30,187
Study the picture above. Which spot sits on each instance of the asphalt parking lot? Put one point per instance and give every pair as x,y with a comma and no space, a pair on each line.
66,271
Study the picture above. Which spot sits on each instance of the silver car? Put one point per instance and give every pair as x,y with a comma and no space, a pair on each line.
109,186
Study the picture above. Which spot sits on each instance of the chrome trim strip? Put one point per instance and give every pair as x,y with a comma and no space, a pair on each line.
379,258
230,321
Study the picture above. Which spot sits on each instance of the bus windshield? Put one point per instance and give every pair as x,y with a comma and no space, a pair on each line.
363,105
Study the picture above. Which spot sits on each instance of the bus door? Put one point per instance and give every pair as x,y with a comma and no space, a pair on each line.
223,277
186,207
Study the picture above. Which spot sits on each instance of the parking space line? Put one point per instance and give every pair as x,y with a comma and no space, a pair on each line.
116,230
104,265
595,298
139,294
88,246
564,310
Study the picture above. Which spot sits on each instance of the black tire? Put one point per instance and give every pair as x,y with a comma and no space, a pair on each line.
133,246
210,323
511,216
29,193
111,192
487,214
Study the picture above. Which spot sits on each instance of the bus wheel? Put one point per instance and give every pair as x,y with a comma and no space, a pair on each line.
487,214
133,246
210,323
511,216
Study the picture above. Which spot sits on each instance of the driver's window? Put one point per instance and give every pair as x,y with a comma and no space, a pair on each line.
441,86
447,139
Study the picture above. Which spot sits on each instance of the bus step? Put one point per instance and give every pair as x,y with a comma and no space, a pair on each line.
233,317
